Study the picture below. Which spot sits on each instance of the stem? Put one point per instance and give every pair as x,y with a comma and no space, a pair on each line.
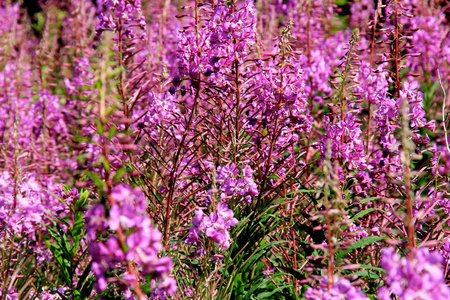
238,96
409,221
330,267
172,179
121,76
344,77
372,47
396,50
443,112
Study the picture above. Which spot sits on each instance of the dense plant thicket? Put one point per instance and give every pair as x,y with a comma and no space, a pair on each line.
188,149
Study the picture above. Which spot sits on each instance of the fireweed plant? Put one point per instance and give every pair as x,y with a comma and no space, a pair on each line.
237,149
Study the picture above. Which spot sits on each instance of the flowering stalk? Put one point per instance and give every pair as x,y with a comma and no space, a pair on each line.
409,220
348,65
376,14
285,52
175,161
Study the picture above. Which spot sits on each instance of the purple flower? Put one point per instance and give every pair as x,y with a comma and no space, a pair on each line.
141,244
344,137
97,221
418,276
10,294
161,291
127,13
231,184
215,226
341,289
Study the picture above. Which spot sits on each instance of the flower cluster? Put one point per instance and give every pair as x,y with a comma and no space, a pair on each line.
120,13
9,294
226,38
343,138
278,113
231,184
416,113
135,240
362,12
372,84
24,204
418,276
430,46
227,26
215,226
281,95
162,108
341,289
82,77
321,49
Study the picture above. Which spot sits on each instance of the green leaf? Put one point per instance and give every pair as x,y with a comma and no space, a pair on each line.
84,276
368,200
54,235
54,218
266,295
258,253
293,272
39,24
88,287
97,180
365,241
82,200
256,286
341,2
303,191
112,132
365,273
362,213
77,231
105,163
59,199
99,126
119,174
66,276
372,268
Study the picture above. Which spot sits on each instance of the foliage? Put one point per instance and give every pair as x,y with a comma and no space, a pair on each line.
234,149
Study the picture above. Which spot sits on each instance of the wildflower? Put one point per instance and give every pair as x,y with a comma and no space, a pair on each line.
341,289
418,276
215,226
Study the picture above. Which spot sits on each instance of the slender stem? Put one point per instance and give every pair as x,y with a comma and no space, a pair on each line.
409,221
238,96
330,244
173,176
396,50
443,112
272,143
372,47
344,78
